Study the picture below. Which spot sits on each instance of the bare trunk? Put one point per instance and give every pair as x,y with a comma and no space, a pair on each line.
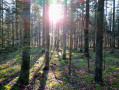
43,32
64,32
70,44
86,50
99,43
118,35
24,73
47,37
113,28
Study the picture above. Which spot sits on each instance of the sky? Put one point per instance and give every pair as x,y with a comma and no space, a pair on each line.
9,1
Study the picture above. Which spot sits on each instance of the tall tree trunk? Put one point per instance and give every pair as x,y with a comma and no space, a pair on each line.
8,35
105,37
17,22
20,24
76,40
24,73
86,50
20,37
113,28
71,39
99,43
2,24
43,32
86,35
12,31
47,37
39,38
52,34
118,34
58,37
81,37
64,31
110,35
95,27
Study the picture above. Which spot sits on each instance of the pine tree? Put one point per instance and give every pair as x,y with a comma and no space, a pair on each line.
99,42
25,66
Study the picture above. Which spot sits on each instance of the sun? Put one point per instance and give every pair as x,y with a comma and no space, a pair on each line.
55,13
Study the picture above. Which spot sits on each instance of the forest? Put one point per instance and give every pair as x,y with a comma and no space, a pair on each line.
59,44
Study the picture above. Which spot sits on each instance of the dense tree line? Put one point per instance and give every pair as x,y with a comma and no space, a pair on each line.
87,24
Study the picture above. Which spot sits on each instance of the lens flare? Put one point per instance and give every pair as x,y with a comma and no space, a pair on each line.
55,13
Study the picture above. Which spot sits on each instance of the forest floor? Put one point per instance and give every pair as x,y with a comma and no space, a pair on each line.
57,77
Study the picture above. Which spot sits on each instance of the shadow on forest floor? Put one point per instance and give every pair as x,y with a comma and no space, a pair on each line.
10,66
57,77
43,80
80,77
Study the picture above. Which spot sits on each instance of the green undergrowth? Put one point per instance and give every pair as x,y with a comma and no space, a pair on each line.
82,77
57,77
10,66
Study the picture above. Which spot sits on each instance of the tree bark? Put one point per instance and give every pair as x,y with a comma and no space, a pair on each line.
2,24
16,22
99,43
47,37
81,33
110,36
95,28
64,32
71,39
86,35
24,73
118,34
113,28
86,50
12,31
43,32
39,37
58,37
